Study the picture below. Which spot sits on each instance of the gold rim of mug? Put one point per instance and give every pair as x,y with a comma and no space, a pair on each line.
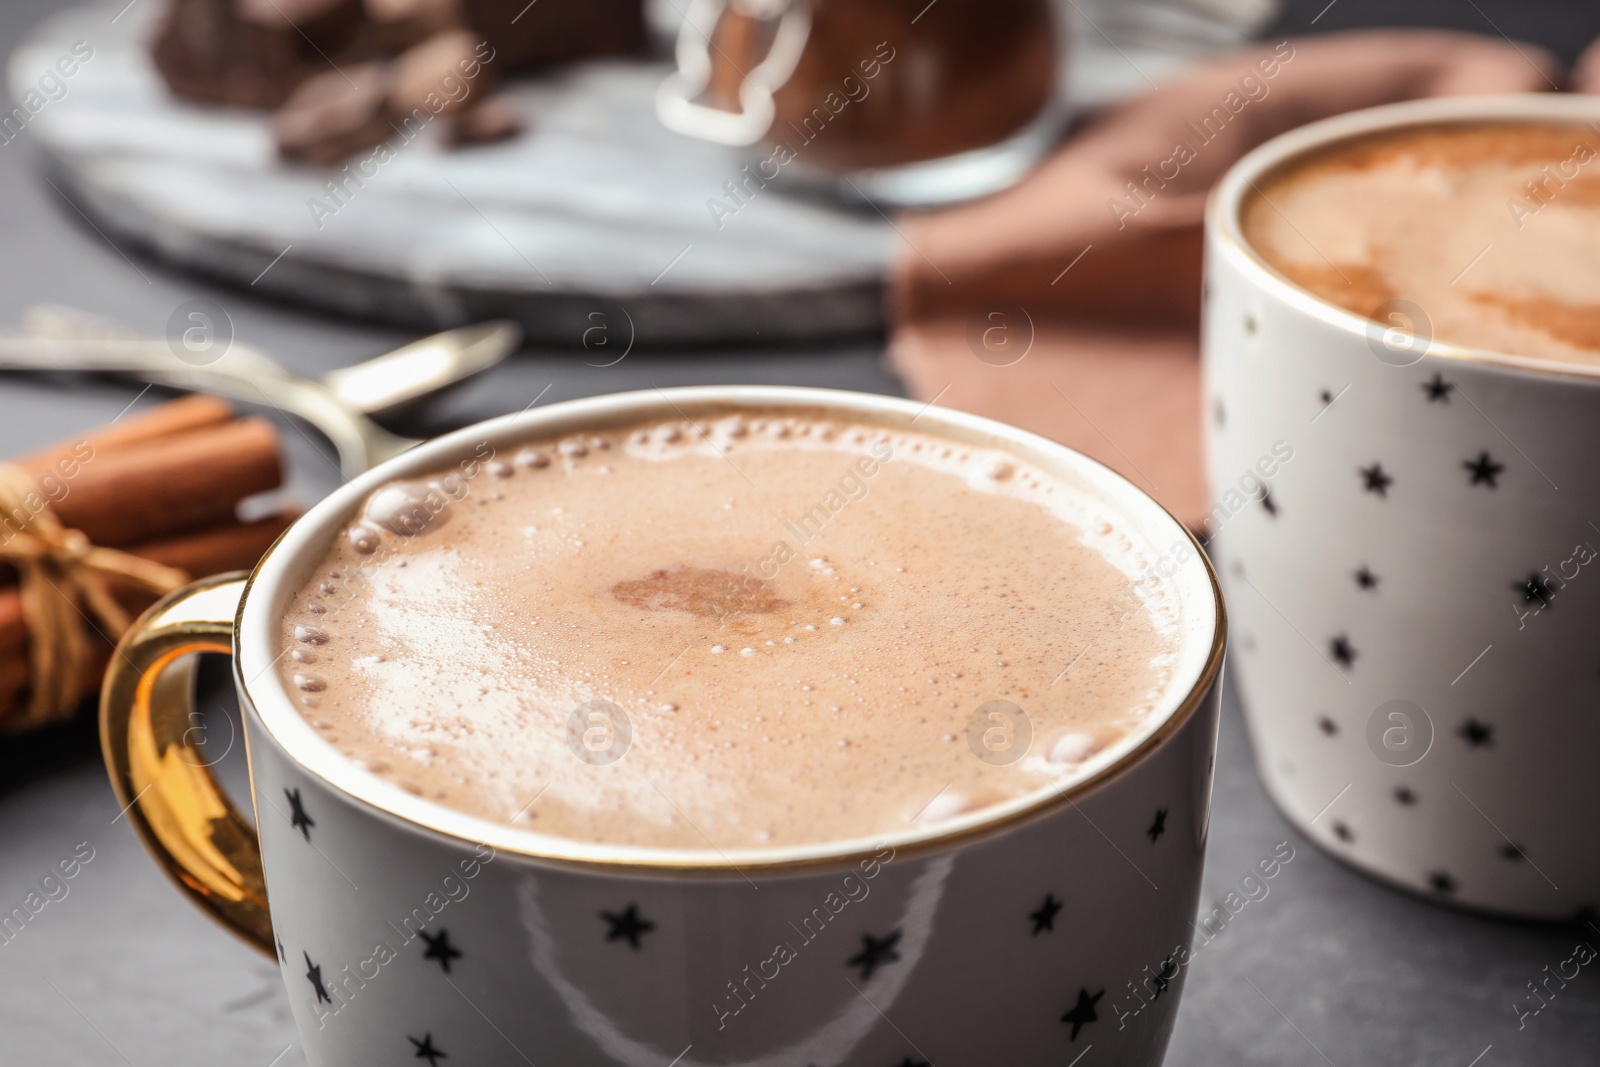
362,788
1223,211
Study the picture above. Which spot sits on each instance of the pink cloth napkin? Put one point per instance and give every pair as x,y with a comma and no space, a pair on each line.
1111,282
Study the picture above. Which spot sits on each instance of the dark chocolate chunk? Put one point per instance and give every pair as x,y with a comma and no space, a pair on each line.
212,50
335,114
492,119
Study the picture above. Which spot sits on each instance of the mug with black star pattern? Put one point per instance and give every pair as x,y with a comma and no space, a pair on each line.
1405,528
1041,932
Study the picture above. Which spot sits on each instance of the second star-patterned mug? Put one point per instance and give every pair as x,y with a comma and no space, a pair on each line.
1406,531
1027,934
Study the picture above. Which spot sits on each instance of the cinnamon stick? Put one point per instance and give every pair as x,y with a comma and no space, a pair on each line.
147,488
11,695
193,412
14,671
230,547
163,484
234,546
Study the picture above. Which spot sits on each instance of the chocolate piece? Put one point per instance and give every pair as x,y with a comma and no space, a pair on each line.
250,54
335,114
306,15
494,118
440,75
399,24
313,58
555,31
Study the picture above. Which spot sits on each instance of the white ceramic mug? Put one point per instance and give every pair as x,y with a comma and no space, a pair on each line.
1418,707
1019,935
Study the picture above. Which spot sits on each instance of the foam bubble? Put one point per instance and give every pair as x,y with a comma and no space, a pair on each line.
532,459
1072,747
407,508
364,539
947,805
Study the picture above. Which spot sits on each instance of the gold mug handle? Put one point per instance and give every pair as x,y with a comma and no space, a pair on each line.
162,781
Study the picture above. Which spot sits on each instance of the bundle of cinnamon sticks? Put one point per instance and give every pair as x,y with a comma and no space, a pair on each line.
164,485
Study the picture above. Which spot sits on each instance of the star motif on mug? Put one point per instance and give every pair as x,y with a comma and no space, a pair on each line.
1342,832
1165,973
1327,726
440,948
1082,1013
1269,504
627,926
1535,588
298,817
1438,390
426,1050
1404,796
1159,826
314,976
1483,470
1045,918
1342,651
875,952
1365,579
1441,882
1477,734
1377,480
1513,852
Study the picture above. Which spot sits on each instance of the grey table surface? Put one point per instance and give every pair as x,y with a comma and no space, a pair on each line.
595,205
1330,967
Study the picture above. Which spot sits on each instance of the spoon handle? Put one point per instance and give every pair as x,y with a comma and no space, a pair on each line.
423,368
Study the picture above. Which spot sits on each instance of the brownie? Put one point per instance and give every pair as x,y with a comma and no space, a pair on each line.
250,53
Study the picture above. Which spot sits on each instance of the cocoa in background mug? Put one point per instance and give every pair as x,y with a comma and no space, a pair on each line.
1020,934
1416,708
879,99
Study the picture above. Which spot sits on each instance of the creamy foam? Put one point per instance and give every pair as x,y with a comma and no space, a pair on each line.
1492,229
756,629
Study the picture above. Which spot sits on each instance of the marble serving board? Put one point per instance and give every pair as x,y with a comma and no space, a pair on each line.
595,214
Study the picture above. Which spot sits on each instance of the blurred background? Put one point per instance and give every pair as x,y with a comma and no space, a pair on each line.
589,186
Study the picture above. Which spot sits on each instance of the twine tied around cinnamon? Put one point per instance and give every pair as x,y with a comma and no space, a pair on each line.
65,584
